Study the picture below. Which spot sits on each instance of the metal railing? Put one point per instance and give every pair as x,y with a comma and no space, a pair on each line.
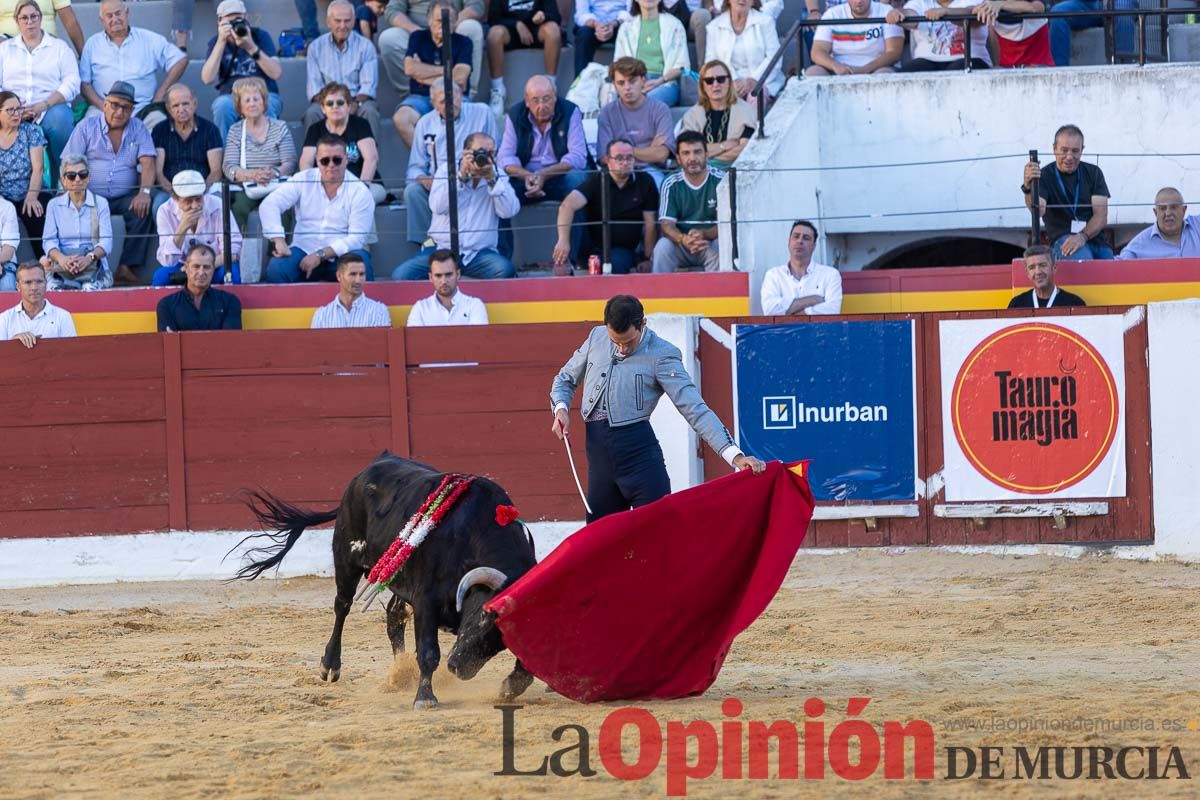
795,38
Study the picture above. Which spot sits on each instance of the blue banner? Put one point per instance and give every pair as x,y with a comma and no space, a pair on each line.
840,393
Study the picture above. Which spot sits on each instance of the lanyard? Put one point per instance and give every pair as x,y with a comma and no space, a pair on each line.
1063,186
1049,302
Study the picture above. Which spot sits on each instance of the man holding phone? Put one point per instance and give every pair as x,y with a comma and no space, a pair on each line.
485,196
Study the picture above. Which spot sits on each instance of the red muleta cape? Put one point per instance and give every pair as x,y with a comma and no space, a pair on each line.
645,603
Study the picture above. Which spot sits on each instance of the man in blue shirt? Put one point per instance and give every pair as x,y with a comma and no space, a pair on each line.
423,66
239,52
1173,235
198,306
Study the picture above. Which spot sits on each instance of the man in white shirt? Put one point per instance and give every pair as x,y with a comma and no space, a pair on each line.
447,305
34,317
856,49
351,308
485,196
801,286
335,215
10,240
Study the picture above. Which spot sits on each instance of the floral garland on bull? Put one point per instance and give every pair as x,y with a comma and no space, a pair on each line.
437,505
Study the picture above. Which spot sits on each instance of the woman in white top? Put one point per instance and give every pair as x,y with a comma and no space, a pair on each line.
745,39
41,70
659,41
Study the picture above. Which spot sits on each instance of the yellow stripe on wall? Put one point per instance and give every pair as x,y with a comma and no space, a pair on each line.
909,302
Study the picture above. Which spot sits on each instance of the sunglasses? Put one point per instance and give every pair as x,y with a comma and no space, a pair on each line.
327,160
714,79
76,175
335,103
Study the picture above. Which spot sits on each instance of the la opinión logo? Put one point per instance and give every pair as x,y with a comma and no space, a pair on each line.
734,749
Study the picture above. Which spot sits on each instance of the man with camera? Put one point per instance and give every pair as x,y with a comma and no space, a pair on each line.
239,50
485,196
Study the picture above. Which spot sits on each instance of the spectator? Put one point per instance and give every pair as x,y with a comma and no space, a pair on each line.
366,18
632,203
403,18
484,197
194,216
122,54
239,50
1060,29
801,286
34,317
361,149
521,23
745,39
774,8
544,150
1075,229
184,142
116,171
596,22
660,42
695,16
198,306
725,120
50,9
423,66
688,212
351,308
448,305
78,236
181,20
42,72
1173,234
10,238
856,49
342,56
1039,266
1019,42
634,116
430,152
258,151
939,46
21,164
335,215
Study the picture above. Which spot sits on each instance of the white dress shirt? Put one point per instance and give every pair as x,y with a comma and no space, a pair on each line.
51,322
345,223
464,310
364,313
35,75
780,287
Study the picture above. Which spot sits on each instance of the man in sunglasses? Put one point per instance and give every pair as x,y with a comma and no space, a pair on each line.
335,215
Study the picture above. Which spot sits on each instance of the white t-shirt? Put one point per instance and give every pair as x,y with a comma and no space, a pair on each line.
857,45
780,287
943,40
51,322
464,310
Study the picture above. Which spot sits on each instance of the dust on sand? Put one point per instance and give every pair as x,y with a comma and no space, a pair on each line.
208,690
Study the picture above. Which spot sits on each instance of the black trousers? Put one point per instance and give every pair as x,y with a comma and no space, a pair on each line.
625,468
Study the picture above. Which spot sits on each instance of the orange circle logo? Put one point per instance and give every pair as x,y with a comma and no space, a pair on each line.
1035,408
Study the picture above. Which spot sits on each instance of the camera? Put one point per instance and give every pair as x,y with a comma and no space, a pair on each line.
481,157
240,27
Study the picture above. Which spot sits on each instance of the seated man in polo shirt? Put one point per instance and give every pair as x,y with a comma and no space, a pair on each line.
335,215
34,317
198,306
423,66
448,305
184,142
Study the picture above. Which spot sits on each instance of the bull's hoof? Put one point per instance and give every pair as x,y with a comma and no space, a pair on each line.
425,705
330,675
514,686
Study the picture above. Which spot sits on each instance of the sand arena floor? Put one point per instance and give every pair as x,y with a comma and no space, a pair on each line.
206,690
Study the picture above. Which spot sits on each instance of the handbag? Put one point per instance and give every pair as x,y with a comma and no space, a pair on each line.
255,191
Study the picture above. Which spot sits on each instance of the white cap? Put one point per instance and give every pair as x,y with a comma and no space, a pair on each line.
231,7
188,183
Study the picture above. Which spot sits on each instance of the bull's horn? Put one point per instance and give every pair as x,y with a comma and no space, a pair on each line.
487,576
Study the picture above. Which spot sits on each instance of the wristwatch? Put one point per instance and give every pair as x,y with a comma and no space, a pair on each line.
1026,189
146,190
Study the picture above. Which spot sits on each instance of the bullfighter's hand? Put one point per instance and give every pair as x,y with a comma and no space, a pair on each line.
749,462
561,423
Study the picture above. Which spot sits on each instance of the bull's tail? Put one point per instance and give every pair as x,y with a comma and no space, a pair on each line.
287,523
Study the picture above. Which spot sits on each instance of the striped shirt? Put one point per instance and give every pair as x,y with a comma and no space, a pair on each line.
364,313
356,66
277,150
114,174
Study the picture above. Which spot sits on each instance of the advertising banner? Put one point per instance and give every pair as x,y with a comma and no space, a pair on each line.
1033,410
842,394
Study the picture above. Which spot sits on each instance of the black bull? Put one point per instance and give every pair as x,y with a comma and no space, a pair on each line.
461,565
